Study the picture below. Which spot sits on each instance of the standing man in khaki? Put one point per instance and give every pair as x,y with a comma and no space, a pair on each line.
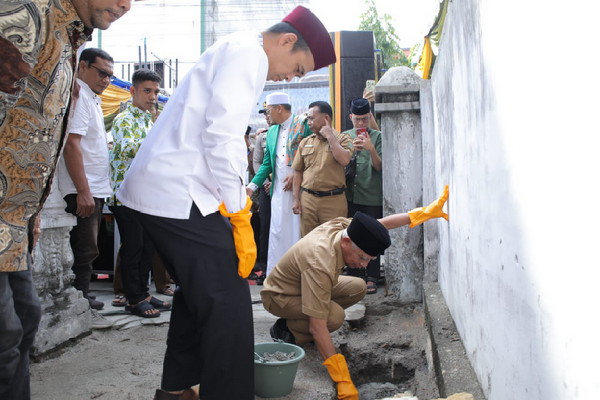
38,47
319,180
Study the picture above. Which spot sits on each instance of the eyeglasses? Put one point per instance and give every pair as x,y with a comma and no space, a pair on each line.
364,258
102,74
270,109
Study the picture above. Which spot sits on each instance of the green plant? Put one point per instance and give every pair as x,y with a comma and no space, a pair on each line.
386,38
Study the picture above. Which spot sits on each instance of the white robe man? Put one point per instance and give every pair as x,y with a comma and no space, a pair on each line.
283,139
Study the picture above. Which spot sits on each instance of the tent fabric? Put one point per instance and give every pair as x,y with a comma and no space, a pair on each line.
423,69
431,43
112,98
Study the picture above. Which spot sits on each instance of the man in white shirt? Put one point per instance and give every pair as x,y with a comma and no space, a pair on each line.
283,139
84,172
191,165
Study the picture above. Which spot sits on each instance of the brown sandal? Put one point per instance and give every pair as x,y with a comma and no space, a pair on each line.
371,287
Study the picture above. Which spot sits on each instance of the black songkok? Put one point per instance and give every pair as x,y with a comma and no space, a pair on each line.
368,234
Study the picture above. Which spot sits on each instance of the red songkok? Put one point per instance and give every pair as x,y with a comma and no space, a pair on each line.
315,35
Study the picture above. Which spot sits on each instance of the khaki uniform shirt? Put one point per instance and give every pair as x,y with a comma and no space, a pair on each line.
310,269
38,44
321,171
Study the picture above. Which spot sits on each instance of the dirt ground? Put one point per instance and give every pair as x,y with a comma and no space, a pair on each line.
386,353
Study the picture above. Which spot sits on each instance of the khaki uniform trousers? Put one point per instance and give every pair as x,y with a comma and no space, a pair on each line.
348,291
318,210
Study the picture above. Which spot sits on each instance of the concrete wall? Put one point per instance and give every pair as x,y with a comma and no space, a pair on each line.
513,107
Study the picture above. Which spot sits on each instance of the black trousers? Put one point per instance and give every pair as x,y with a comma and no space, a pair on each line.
264,213
373,270
136,254
211,336
84,242
19,319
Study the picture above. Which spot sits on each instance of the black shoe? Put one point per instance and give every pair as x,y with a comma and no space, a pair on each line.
163,395
95,304
280,332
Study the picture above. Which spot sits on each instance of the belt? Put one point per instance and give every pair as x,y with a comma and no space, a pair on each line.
324,194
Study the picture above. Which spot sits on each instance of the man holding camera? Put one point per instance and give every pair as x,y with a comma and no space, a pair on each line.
364,190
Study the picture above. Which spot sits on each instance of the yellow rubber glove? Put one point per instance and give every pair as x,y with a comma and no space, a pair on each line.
338,371
243,237
434,210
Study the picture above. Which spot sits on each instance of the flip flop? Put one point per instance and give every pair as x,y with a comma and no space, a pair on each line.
159,304
167,291
119,301
371,287
141,308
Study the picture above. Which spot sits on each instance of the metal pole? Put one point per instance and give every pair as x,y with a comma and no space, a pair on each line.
202,26
170,74
146,56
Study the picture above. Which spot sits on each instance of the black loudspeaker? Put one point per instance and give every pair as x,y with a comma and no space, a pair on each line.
356,65
159,68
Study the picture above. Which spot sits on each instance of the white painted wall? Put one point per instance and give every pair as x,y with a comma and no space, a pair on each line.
515,107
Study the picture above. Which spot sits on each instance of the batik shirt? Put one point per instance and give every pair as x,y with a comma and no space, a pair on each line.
38,44
129,130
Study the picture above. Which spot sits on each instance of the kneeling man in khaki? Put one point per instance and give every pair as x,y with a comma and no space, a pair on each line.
307,292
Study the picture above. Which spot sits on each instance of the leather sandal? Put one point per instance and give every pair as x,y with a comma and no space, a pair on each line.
371,287
141,309
159,304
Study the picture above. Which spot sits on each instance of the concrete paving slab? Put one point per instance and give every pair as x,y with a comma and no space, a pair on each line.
117,317
312,380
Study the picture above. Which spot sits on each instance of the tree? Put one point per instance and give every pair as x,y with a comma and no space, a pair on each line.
386,38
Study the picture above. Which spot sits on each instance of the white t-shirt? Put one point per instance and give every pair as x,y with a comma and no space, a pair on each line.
87,120
195,152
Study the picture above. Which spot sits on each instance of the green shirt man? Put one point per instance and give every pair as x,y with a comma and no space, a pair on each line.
365,191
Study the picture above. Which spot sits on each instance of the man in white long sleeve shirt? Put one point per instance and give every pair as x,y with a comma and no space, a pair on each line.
193,160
